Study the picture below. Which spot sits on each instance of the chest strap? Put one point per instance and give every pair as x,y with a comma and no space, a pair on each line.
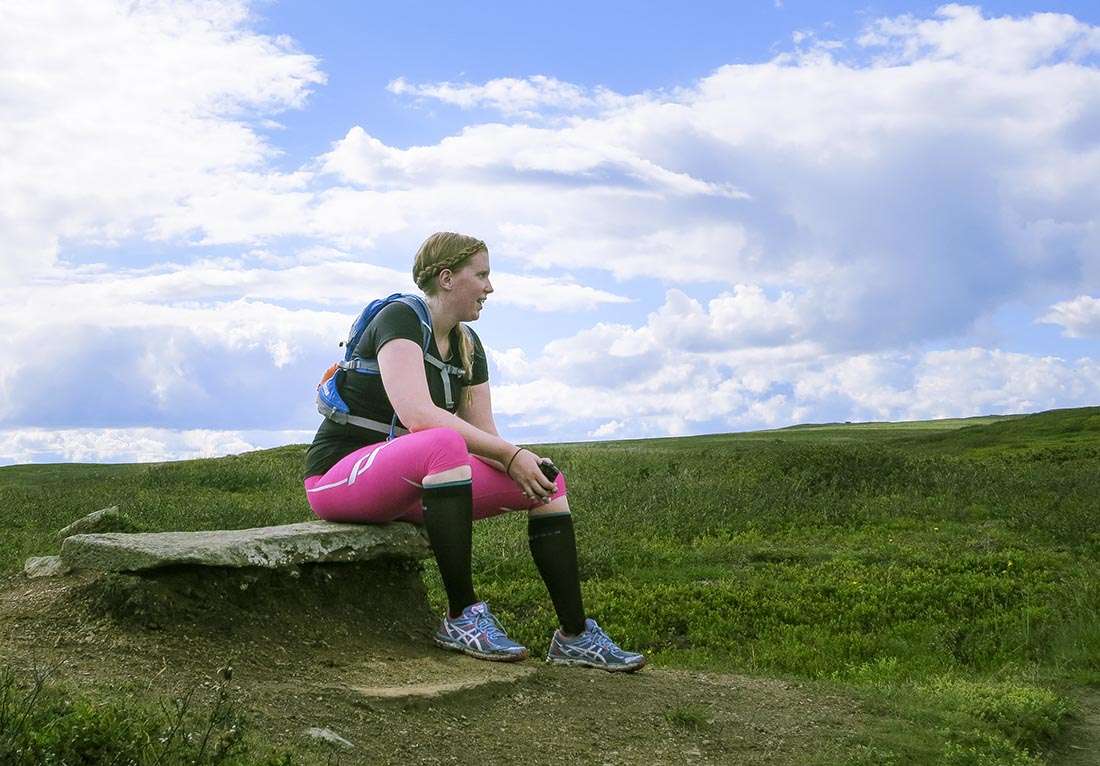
343,418
370,366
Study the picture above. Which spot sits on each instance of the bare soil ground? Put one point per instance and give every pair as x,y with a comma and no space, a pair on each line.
348,648
1081,744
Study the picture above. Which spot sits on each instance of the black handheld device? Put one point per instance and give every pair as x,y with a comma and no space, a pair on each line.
549,470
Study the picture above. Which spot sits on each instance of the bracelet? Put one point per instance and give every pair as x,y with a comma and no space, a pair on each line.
508,468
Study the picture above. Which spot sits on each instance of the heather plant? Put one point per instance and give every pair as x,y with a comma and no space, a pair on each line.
42,722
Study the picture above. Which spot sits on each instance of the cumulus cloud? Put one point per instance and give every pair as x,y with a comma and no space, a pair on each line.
706,393
961,33
905,196
115,113
211,344
1079,317
572,153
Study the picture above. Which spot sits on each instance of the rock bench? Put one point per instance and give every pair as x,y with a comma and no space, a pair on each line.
277,547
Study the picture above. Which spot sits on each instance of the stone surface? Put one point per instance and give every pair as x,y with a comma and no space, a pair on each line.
103,520
287,545
45,566
491,674
328,735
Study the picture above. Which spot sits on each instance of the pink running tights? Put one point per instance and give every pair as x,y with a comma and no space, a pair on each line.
382,482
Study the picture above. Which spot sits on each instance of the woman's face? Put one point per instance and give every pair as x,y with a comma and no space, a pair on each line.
470,287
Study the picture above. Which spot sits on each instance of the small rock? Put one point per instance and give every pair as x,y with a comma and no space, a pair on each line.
45,566
104,520
328,735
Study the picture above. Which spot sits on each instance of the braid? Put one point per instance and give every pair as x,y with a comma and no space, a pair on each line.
429,267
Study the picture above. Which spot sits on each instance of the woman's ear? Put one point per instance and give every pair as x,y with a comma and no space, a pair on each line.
445,279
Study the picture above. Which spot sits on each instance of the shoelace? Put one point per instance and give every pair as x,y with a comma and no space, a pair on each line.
601,638
487,622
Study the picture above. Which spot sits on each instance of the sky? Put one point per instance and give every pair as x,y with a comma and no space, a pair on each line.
701,218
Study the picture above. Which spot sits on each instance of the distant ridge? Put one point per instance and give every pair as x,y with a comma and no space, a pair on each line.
936,423
1077,426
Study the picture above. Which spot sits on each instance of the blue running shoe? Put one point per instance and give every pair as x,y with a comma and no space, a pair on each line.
476,632
594,649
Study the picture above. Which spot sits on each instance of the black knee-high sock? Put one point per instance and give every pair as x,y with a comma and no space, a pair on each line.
554,549
448,520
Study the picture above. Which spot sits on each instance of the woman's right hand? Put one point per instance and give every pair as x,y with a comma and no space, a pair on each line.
524,471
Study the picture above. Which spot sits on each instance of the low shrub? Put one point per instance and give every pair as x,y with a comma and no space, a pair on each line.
42,724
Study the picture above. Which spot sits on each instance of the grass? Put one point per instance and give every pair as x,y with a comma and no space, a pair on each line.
943,570
42,722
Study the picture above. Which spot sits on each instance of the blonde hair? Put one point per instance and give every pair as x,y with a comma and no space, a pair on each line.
447,250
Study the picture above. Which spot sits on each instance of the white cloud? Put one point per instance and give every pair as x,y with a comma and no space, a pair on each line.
586,156
514,96
1079,317
900,199
979,380
133,445
608,429
960,33
695,393
211,343
99,298
115,113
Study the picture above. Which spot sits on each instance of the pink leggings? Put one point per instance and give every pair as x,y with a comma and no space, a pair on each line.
382,482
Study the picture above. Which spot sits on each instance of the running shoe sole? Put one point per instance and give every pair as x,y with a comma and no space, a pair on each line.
457,646
624,668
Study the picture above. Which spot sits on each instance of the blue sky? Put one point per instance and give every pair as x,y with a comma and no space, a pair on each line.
701,218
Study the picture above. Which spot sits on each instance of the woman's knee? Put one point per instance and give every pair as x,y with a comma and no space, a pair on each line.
558,505
447,449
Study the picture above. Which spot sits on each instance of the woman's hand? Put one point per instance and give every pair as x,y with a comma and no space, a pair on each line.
524,471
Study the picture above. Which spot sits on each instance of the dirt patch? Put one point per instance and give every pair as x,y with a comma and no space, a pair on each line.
347,648
1081,743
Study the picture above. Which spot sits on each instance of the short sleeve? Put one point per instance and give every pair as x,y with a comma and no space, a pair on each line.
481,363
394,321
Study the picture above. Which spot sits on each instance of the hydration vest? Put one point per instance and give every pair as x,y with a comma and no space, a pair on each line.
332,405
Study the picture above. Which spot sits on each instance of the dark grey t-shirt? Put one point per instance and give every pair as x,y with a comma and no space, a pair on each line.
366,396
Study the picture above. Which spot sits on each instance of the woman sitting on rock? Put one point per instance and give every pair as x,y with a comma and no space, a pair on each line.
450,466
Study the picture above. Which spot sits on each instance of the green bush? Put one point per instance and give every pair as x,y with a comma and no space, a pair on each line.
982,748
1026,716
42,724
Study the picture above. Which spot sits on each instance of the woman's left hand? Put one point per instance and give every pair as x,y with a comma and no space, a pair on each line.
525,472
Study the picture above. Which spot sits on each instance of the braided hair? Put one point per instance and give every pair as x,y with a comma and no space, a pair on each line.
447,250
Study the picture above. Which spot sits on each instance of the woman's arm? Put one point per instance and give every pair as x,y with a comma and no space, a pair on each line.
476,407
401,363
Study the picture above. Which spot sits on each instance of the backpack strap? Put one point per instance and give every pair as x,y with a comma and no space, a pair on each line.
342,418
333,407
417,304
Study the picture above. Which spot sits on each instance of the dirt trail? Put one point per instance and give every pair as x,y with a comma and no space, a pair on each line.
1081,745
322,649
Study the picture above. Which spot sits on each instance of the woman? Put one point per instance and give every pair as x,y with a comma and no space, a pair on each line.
451,466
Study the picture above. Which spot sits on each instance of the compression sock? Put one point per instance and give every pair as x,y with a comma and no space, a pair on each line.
449,521
554,549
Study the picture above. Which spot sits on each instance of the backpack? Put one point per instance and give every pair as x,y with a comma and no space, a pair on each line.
332,405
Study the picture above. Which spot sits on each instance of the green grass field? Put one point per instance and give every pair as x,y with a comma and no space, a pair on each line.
944,571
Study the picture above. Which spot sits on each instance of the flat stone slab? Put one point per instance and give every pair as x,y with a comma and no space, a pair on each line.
286,545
